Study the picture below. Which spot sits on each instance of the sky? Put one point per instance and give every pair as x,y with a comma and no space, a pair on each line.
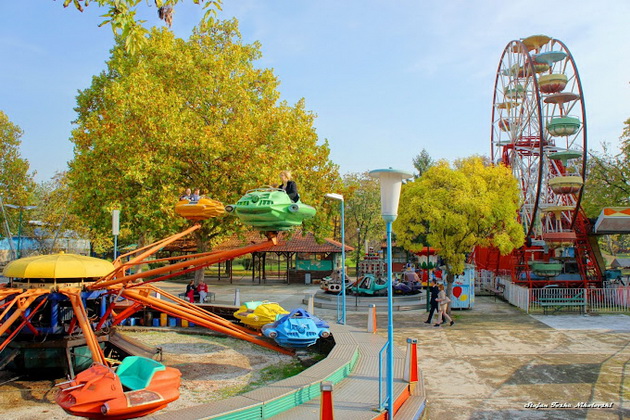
386,79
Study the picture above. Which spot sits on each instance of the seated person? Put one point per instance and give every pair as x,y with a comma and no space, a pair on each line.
202,289
289,186
186,195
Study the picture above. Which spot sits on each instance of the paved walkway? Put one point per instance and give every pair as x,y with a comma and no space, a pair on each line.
497,362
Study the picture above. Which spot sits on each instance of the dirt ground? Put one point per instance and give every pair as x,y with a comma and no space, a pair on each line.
212,368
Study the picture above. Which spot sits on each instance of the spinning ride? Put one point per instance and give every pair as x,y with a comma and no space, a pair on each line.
539,131
67,303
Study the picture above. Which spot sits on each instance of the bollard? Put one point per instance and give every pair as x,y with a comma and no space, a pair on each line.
311,304
411,362
326,411
371,325
237,297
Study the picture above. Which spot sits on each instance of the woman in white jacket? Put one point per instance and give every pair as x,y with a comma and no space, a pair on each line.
443,301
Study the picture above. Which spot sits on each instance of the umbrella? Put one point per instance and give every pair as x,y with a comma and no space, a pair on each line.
58,266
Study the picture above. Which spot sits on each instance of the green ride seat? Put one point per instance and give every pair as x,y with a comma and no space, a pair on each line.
136,372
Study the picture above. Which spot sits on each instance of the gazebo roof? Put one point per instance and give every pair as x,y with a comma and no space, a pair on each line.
620,263
298,242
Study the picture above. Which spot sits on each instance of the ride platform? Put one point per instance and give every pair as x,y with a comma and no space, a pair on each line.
362,303
352,367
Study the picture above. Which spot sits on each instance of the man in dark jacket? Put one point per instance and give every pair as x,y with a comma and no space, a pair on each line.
433,289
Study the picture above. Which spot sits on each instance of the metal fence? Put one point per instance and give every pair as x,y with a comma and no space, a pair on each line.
516,295
615,298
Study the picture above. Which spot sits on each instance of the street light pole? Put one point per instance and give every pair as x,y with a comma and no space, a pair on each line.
115,230
391,183
342,319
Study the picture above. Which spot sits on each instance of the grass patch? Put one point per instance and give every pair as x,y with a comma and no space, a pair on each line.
266,376
273,373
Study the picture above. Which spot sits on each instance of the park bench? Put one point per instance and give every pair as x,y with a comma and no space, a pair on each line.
210,298
497,291
556,302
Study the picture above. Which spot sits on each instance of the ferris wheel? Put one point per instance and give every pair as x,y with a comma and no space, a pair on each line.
539,131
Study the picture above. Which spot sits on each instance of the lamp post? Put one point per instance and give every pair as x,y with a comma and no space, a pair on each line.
22,208
115,230
391,183
342,319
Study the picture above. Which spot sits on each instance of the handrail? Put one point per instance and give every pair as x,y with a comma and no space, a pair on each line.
270,189
339,297
381,403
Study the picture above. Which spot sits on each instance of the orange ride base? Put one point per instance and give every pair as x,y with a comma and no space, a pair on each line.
97,393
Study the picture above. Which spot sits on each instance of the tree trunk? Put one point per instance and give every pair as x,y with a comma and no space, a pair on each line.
202,246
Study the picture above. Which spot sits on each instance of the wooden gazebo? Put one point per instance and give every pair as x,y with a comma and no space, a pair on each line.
305,258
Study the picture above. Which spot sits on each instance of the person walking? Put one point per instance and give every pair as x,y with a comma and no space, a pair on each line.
443,300
434,290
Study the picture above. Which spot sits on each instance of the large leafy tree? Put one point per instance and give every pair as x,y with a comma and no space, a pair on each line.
608,180
53,212
16,182
363,210
456,209
120,15
196,114
608,184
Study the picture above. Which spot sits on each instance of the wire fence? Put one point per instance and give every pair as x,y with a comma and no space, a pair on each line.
614,298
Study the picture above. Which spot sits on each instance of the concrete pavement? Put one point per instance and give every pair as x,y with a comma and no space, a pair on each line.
496,362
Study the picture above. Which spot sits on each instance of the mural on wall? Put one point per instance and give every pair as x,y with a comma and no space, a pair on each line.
463,294
314,265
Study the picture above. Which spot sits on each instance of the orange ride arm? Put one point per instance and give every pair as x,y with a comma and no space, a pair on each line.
198,318
25,321
23,301
200,262
127,312
202,312
148,250
80,313
4,293
168,259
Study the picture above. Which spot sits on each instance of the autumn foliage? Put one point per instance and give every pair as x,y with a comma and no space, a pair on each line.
196,114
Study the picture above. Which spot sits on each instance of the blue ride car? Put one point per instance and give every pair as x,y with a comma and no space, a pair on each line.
297,329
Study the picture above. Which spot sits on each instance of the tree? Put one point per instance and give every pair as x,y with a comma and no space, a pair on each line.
193,114
608,177
121,17
458,209
422,162
608,185
53,200
363,210
16,183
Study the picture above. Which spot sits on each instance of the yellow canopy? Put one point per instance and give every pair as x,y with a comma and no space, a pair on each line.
58,266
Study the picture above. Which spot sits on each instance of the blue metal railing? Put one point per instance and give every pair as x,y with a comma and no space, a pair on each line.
339,309
381,401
